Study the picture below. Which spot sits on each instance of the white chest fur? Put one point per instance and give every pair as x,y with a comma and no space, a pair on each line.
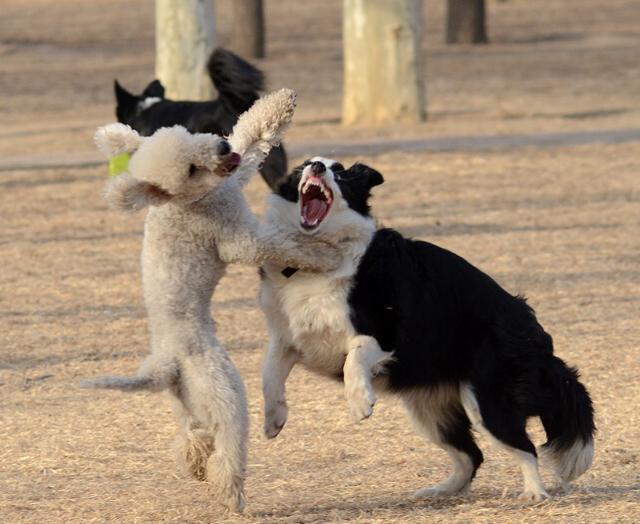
316,312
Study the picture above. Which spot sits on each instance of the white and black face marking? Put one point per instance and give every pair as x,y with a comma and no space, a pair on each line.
319,185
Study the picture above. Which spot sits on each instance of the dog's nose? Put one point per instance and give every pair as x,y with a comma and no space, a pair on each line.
223,148
317,168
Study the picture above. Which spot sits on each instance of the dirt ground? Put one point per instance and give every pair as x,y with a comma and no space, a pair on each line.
559,224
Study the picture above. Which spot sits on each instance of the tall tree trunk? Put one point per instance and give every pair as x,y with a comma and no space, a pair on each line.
383,81
185,37
248,33
466,22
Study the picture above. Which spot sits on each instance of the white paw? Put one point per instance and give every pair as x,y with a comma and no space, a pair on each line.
361,399
275,418
533,496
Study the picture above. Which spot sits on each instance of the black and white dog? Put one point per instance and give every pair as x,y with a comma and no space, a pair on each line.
238,84
414,319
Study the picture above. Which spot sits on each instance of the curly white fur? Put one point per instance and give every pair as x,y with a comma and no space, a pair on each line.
197,223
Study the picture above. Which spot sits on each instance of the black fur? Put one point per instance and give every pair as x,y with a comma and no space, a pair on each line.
449,325
238,84
447,322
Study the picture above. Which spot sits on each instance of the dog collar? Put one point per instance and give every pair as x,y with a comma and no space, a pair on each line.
288,271
119,164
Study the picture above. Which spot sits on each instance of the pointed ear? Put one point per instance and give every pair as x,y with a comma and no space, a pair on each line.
374,178
123,97
115,139
154,89
127,193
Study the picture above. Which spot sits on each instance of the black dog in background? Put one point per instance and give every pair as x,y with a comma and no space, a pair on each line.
238,84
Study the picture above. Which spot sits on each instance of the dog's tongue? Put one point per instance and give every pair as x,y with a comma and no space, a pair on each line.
315,209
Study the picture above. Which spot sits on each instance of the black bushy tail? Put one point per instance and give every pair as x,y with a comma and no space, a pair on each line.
237,81
568,422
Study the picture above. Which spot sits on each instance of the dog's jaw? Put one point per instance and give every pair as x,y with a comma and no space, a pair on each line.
315,199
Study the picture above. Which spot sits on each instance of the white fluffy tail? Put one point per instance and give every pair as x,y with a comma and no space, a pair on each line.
568,422
569,463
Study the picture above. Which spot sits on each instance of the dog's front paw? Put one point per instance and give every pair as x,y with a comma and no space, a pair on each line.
531,495
361,399
275,418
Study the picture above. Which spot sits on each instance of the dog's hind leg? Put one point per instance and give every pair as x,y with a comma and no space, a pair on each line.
193,444
506,429
365,359
216,423
438,415
226,467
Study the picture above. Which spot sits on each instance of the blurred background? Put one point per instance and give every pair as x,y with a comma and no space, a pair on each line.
515,143
549,66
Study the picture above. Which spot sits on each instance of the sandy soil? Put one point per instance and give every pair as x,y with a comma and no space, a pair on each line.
558,224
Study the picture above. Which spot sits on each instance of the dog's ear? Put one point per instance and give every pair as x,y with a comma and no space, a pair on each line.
123,97
154,89
115,139
373,177
126,193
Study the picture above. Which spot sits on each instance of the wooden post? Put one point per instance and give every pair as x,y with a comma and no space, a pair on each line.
383,81
466,22
248,33
185,37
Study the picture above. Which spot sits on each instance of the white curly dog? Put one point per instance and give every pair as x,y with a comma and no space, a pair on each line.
198,222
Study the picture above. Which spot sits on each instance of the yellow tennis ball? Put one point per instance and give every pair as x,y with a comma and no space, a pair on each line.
118,164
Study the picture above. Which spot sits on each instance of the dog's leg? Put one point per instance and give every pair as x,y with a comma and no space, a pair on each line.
507,430
319,252
365,359
227,464
437,414
290,249
278,363
215,418
193,445
241,240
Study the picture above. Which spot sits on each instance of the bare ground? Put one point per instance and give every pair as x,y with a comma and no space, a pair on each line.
558,224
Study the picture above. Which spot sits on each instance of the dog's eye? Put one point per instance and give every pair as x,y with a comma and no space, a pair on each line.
192,169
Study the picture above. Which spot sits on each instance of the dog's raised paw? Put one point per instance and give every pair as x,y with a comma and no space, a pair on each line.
361,400
275,419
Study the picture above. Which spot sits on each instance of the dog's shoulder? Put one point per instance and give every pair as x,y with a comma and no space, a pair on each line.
386,249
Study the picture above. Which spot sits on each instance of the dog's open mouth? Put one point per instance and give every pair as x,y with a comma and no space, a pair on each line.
229,164
315,202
